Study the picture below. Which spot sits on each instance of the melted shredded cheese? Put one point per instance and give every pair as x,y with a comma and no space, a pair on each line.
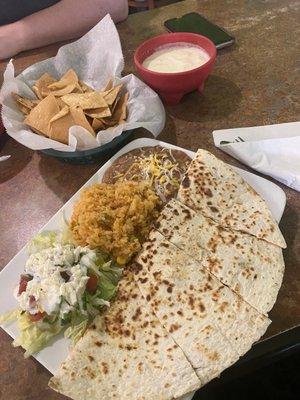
158,170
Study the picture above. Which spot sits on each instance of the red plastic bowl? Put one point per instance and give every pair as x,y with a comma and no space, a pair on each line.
173,86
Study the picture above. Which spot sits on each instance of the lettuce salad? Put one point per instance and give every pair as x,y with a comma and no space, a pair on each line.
63,288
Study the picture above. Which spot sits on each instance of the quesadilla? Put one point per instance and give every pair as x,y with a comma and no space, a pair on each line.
218,192
126,354
251,267
211,324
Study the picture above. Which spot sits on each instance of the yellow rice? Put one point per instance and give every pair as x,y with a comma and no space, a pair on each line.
115,218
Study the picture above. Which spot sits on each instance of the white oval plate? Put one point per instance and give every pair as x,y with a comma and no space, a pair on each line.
52,356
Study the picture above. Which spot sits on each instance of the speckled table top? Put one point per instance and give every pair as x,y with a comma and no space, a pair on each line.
253,83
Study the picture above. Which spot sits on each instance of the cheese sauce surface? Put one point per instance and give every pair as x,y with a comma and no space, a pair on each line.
176,58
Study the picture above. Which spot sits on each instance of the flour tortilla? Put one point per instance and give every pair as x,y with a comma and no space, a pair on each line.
251,267
218,192
126,354
212,325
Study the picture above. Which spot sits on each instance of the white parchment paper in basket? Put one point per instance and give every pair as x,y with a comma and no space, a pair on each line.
96,57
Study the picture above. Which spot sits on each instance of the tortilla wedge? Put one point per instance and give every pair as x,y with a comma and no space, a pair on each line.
126,354
92,100
211,324
98,112
84,87
62,113
25,105
39,116
108,86
120,108
253,268
97,125
40,87
111,95
67,83
218,192
60,123
81,120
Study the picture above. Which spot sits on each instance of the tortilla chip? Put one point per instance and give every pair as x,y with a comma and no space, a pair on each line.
68,102
108,86
111,95
120,108
61,123
66,90
40,87
119,114
64,111
97,125
24,110
69,78
80,119
98,112
85,88
109,122
39,116
60,102
23,102
92,100
59,127
77,89
67,83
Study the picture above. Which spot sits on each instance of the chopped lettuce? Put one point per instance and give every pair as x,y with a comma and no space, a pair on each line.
31,335
74,332
109,276
42,241
10,316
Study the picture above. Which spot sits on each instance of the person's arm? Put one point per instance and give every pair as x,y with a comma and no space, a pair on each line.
67,19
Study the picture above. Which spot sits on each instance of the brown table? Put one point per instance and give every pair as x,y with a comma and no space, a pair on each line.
253,83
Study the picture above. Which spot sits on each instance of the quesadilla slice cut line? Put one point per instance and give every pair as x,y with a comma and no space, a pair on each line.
213,188
211,324
126,355
251,267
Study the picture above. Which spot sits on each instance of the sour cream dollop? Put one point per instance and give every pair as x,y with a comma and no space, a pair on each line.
58,280
176,58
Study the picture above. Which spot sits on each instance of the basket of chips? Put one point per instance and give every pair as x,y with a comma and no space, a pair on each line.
76,106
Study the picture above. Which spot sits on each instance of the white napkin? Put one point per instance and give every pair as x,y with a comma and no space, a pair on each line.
273,150
96,57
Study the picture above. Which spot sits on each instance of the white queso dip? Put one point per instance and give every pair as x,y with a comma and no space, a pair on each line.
179,57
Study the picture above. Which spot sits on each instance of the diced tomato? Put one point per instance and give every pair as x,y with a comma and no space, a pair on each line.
92,283
65,276
32,301
23,283
36,317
